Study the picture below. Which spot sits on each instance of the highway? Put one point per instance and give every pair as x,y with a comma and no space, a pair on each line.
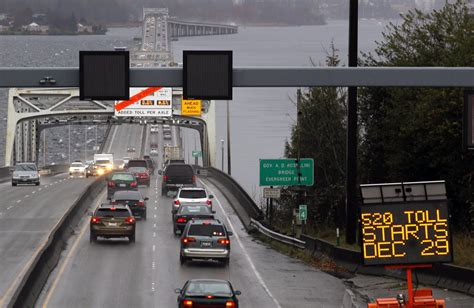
114,273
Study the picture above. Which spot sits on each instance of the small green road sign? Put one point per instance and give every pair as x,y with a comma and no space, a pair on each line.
197,153
284,172
303,212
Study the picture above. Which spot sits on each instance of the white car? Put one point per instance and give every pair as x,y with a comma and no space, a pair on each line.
153,152
154,129
77,168
192,195
25,173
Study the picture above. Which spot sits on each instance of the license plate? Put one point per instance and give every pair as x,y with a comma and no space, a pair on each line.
122,185
24,180
112,224
205,244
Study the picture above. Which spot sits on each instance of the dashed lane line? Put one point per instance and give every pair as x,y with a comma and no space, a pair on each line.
11,206
247,256
18,201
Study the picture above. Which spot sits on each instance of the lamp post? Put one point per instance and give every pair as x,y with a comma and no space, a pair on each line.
69,143
222,155
228,142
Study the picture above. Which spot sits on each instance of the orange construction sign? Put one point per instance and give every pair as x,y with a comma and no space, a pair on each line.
136,98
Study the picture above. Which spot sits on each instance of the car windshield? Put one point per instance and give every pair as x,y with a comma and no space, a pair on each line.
206,230
127,195
102,161
179,170
29,167
208,287
137,169
194,210
192,194
112,213
77,165
123,177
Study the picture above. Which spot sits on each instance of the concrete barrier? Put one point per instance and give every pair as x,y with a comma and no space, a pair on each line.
36,277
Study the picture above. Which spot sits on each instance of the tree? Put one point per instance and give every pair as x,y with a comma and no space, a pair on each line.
412,134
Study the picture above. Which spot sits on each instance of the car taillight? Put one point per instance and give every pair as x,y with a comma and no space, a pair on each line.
133,184
210,296
188,240
209,202
165,178
111,184
194,179
177,202
141,203
223,241
230,304
95,220
187,303
181,219
130,220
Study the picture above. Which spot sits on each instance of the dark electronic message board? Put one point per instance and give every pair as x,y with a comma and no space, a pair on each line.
406,233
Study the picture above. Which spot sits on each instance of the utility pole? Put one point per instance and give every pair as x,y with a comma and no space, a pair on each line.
69,143
351,152
228,141
301,199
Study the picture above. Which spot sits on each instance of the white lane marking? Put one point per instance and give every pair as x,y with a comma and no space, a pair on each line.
68,257
237,237
156,201
112,139
1,213
153,286
154,247
154,216
153,265
154,225
27,196
33,192
9,207
156,208
18,201
154,234
39,189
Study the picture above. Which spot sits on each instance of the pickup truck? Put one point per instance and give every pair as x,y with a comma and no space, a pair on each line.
176,176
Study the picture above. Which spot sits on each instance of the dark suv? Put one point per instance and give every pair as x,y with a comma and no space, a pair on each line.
188,211
120,181
205,239
176,176
133,199
112,221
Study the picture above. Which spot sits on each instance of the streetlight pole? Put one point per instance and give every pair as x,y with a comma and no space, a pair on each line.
222,155
228,142
85,144
44,147
69,143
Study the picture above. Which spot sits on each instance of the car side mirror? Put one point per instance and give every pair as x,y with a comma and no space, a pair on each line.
211,196
160,172
146,199
237,292
177,291
230,233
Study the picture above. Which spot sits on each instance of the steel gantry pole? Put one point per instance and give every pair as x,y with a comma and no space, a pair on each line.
351,150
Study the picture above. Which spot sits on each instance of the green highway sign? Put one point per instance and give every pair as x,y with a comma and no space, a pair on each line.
284,172
303,212
197,153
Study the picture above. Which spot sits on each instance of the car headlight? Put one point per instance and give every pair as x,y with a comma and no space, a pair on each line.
100,171
70,169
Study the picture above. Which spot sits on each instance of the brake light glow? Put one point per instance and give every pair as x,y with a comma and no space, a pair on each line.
130,220
165,178
181,219
223,241
95,220
209,202
188,240
209,296
111,184
141,203
230,304
133,184
189,303
177,202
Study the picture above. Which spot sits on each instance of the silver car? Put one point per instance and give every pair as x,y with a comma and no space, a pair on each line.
192,195
25,173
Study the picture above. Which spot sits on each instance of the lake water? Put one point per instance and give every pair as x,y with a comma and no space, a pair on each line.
261,118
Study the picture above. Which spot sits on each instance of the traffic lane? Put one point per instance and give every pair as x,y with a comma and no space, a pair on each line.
12,195
109,273
25,227
127,135
291,282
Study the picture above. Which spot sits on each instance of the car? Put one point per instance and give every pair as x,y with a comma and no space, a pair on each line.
95,170
208,292
176,176
25,173
167,135
119,164
126,160
141,174
154,129
133,199
150,164
166,128
110,221
188,211
154,152
77,168
192,194
119,180
205,239
131,150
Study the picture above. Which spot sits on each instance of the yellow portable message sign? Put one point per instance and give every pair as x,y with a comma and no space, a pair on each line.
191,107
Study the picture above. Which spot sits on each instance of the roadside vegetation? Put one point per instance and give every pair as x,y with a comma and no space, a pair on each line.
405,134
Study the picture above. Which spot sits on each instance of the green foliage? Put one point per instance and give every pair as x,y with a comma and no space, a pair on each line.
414,134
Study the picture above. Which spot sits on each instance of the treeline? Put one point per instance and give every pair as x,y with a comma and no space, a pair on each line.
405,134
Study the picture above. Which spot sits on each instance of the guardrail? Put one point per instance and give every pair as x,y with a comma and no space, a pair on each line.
277,236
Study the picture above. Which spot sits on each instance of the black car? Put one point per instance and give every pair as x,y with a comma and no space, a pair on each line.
134,199
176,176
112,221
188,211
214,293
120,181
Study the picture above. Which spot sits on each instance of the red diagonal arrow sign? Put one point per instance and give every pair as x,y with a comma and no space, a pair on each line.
136,98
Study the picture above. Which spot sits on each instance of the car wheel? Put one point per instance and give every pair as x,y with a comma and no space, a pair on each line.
14,184
132,238
182,259
93,238
175,231
37,183
144,215
226,262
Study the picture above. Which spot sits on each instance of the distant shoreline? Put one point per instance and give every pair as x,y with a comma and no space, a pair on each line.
51,34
